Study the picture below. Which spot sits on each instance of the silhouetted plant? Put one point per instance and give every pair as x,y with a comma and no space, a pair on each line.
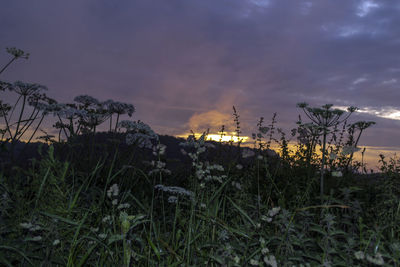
325,119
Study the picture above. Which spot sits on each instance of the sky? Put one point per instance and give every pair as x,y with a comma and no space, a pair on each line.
184,63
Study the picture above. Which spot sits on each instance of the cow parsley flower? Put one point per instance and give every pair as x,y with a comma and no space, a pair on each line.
113,191
270,260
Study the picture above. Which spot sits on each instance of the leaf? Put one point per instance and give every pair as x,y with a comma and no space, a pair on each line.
115,238
242,212
59,218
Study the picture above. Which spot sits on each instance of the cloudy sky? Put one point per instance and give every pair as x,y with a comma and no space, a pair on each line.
185,63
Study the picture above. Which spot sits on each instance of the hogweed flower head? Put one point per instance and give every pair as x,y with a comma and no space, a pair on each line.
27,89
17,53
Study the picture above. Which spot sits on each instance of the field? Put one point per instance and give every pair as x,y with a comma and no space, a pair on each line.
129,197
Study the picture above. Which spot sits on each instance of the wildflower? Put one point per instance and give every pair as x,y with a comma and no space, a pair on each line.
159,149
17,53
172,199
114,202
377,259
337,174
266,219
86,100
113,191
359,255
270,260
27,89
236,259
237,185
264,250
254,262
36,238
94,229
106,219
239,167
102,236
174,190
203,205
274,211
123,206
26,225
119,108
223,236
56,242
35,228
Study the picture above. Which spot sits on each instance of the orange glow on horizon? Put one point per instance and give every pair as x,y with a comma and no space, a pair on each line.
218,137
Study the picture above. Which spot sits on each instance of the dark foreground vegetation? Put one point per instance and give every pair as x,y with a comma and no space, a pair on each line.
129,197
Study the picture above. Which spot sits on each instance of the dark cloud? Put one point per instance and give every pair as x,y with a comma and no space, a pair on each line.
183,59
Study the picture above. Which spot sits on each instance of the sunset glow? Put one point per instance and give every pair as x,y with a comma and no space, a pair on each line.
219,138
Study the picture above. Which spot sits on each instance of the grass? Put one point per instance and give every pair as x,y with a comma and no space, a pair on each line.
124,199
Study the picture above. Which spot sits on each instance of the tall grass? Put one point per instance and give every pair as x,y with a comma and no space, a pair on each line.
122,198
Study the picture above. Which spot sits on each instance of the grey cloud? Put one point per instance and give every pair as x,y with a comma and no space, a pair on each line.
180,58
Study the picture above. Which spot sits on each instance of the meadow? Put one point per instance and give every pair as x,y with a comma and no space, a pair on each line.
130,197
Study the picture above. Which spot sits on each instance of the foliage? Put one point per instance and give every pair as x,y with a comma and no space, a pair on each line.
123,198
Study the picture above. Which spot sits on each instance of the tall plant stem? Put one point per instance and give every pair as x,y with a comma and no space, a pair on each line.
8,64
323,164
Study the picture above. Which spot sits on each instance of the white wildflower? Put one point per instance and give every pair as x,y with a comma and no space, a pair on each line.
175,190
264,250
377,259
26,225
114,202
123,206
359,255
159,149
56,242
113,191
106,219
172,199
35,228
254,262
36,238
272,212
203,205
236,259
239,167
94,229
270,260
102,236
237,185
